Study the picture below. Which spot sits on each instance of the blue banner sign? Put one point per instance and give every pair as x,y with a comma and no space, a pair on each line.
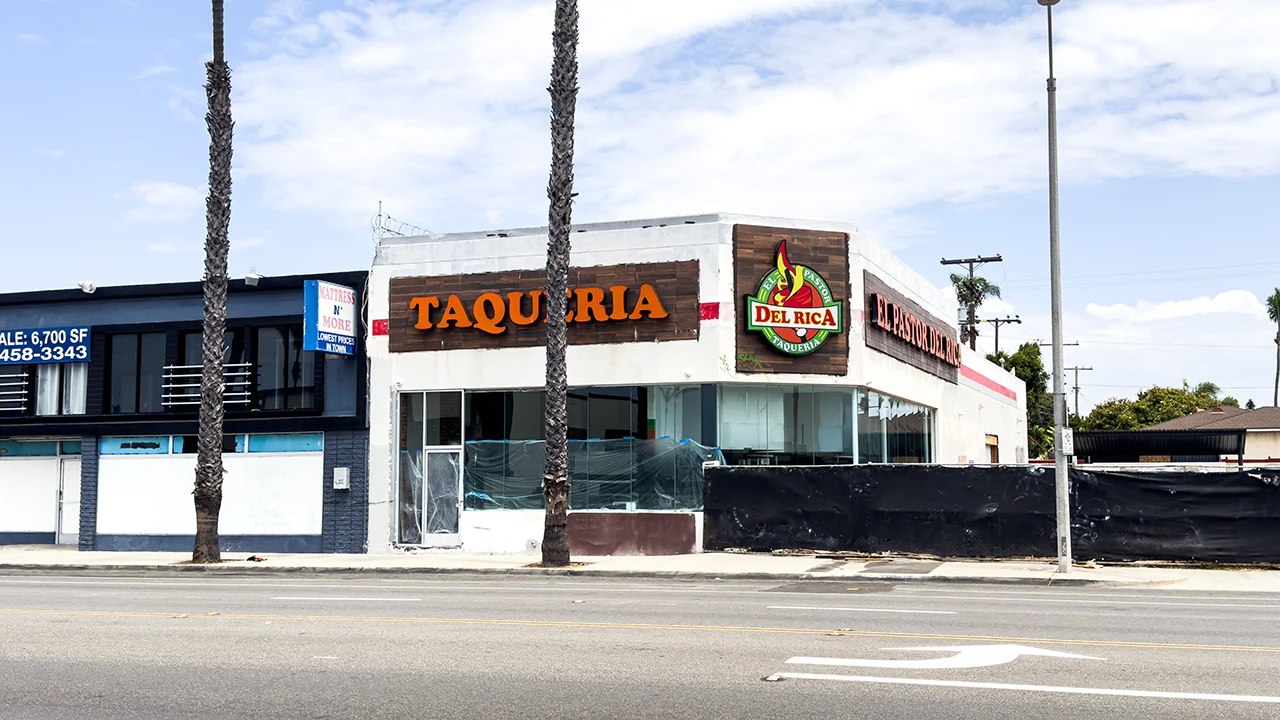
44,345
329,318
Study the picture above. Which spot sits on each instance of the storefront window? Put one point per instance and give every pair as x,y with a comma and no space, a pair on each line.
675,411
136,371
799,425
893,431
786,425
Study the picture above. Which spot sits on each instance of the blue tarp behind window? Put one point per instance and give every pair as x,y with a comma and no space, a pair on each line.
154,445
293,442
28,449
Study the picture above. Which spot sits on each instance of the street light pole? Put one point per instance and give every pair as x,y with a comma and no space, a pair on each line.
1061,486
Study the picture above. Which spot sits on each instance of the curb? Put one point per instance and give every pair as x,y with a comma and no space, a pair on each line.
241,570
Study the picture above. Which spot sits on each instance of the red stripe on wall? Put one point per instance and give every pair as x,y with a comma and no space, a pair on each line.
710,311
987,382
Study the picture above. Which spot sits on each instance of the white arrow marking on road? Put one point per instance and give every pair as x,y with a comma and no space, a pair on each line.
966,656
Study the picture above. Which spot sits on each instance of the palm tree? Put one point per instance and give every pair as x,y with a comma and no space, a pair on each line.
564,97
971,291
208,486
1273,312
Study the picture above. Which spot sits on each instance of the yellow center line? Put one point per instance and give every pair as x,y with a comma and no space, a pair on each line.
644,626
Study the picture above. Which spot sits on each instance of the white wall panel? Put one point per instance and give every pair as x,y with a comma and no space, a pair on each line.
262,494
28,494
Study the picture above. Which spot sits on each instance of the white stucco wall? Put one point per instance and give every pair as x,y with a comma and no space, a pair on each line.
28,494
966,412
266,494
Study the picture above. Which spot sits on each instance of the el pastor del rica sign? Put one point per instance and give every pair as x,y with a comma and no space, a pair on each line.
794,308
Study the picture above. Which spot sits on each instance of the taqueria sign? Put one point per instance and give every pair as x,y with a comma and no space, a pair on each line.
605,304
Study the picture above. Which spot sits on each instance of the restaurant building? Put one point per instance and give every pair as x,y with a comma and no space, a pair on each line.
99,397
692,340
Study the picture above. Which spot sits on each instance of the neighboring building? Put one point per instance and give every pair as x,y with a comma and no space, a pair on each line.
99,393
1261,428
714,338
1220,435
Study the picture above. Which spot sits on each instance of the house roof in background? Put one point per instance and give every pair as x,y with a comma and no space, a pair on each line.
1223,418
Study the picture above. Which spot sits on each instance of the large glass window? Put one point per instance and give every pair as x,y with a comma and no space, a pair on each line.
675,411
505,415
136,372
893,431
799,425
286,373
786,425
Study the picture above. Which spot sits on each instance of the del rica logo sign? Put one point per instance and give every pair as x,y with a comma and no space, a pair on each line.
794,308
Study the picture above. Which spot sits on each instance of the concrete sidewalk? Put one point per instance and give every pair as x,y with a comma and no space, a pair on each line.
704,566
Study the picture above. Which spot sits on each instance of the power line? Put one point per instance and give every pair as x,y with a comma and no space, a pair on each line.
1076,388
1158,344
970,327
1156,272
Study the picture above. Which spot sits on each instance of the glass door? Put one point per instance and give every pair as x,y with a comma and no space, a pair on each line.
429,470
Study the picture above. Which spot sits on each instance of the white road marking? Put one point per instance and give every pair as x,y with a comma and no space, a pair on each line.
965,656
855,609
1100,593
354,599
1032,688
324,657
1095,602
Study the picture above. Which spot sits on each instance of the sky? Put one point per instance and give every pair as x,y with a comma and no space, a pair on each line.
920,121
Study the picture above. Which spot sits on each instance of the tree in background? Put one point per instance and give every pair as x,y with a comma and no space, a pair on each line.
972,292
1228,400
1273,312
1028,366
208,485
1207,388
1249,405
564,98
1153,406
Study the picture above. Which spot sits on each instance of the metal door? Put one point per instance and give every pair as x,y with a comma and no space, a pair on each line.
69,501
443,496
430,498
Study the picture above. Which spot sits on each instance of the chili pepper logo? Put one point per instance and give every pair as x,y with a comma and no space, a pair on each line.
794,307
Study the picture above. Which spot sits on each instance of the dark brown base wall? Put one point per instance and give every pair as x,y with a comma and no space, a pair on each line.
618,533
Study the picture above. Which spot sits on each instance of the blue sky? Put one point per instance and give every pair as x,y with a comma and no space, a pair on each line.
922,122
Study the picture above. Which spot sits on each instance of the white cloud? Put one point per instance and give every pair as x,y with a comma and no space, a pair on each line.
1241,302
164,201
805,108
33,38
152,71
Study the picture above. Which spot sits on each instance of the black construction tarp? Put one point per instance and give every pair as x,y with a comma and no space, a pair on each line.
995,512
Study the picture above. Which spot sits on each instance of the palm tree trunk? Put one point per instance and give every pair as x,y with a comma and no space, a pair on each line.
564,96
208,485
1275,399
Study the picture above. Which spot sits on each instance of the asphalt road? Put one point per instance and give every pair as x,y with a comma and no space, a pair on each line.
456,646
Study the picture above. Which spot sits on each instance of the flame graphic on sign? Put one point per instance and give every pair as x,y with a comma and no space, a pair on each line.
792,277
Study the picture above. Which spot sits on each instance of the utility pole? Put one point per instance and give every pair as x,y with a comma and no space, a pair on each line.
973,264
1076,386
1061,481
997,322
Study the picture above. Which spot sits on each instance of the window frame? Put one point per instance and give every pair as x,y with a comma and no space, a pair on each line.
108,363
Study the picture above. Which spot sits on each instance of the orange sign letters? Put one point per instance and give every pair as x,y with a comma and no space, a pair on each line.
490,312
